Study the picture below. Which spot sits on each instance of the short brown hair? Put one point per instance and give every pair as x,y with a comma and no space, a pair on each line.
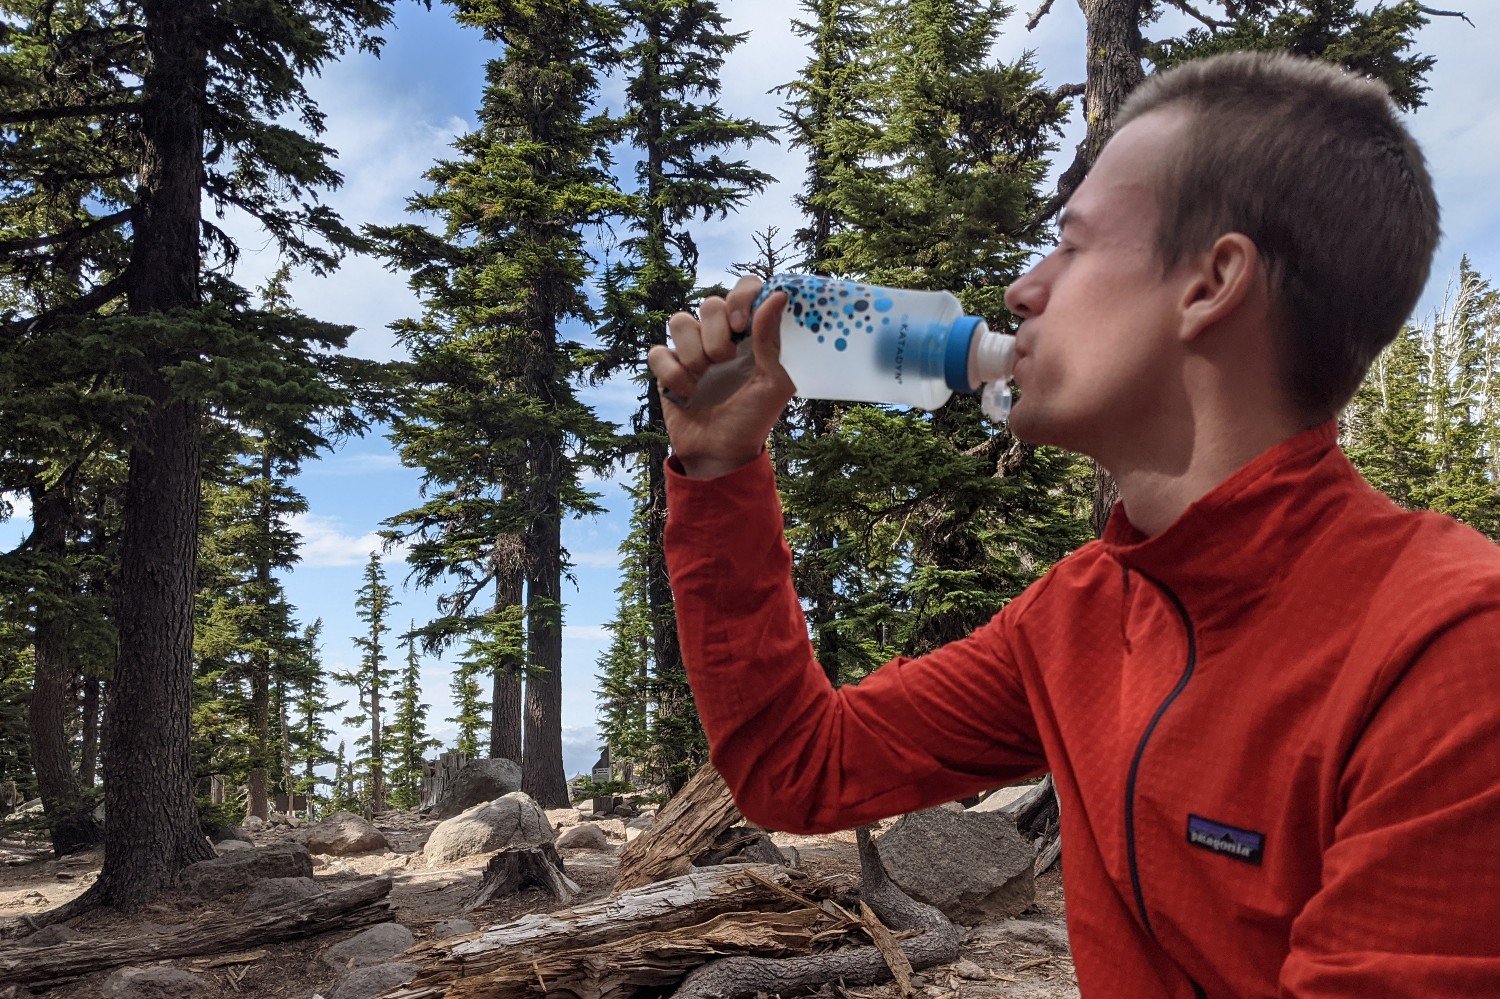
1311,163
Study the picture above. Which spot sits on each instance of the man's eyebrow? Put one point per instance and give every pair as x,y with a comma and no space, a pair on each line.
1070,217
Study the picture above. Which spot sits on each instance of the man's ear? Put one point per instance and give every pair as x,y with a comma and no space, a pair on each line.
1219,281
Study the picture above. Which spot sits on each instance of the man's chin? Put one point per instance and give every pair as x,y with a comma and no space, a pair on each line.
1036,428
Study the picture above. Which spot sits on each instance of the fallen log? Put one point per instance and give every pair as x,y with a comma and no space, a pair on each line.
511,870
689,900
741,845
685,828
341,908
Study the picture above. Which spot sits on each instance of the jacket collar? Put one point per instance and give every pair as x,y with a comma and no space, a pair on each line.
1234,542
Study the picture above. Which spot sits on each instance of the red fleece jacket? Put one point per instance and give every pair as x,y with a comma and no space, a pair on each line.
1274,727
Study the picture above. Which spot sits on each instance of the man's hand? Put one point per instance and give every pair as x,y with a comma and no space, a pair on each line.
717,439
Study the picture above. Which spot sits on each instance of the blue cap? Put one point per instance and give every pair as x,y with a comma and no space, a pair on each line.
956,354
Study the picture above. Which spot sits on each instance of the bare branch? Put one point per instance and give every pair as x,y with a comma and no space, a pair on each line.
1065,91
67,111
1199,16
88,229
1041,12
101,295
1430,12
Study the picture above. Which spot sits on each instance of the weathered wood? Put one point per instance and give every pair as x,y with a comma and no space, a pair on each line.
511,870
741,845
438,775
341,908
688,900
685,828
1048,854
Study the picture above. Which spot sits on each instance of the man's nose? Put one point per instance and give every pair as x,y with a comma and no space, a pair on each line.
1027,295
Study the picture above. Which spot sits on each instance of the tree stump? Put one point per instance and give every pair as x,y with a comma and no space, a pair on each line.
684,829
438,775
511,870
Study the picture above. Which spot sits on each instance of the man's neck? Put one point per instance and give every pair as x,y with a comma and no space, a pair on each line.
1161,481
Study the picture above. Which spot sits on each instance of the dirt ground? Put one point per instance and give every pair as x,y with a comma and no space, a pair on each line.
994,964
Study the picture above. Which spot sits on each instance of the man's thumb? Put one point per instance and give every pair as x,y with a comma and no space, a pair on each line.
765,333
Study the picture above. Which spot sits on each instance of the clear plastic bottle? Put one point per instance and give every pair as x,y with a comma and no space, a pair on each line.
865,343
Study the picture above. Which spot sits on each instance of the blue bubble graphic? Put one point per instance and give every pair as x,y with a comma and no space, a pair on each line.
840,343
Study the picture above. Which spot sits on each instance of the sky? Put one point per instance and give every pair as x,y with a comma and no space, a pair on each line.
390,118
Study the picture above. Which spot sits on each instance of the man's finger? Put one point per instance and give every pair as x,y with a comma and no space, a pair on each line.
669,372
740,302
687,342
713,319
765,334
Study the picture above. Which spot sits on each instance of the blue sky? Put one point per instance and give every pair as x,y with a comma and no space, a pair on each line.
390,118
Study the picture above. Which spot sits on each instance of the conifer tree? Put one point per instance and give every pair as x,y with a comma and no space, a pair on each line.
407,734
517,204
371,680
624,691
469,708
670,60
162,110
309,736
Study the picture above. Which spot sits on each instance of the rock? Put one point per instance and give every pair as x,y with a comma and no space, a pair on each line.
1049,936
219,833
631,832
230,846
999,799
376,945
589,837
253,823
641,822
230,873
275,818
964,968
365,983
972,866
613,828
951,806
159,982
48,935
344,834
293,821
278,891
478,782
452,928
512,820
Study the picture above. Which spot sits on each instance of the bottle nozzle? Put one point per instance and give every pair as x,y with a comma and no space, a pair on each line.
991,357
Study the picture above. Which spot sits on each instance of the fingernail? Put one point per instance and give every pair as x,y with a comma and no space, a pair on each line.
737,318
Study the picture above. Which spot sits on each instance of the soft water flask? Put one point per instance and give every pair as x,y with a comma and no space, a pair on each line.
865,343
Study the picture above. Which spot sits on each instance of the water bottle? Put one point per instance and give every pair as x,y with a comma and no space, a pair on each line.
864,343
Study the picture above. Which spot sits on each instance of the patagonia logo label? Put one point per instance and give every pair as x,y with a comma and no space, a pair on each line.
1241,844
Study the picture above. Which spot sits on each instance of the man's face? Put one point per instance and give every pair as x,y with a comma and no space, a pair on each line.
1099,343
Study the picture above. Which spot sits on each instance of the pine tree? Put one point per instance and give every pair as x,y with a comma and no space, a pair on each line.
309,736
407,735
371,680
625,691
155,113
469,708
670,61
516,205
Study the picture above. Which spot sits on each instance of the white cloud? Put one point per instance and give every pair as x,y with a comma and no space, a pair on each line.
581,747
587,632
327,545
353,464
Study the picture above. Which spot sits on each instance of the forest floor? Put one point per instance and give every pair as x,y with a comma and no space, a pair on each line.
993,963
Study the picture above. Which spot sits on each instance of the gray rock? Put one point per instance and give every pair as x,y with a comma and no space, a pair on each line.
252,823
999,799
218,833
1050,936
48,935
344,834
964,968
231,846
641,822
452,928
278,891
478,782
376,945
229,873
160,982
512,820
589,837
972,866
613,828
366,983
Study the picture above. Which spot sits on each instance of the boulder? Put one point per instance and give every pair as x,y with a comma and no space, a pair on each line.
231,845
344,834
278,891
1048,935
219,833
217,878
511,820
366,983
452,928
253,823
48,935
376,945
613,828
972,866
159,982
999,799
587,837
477,782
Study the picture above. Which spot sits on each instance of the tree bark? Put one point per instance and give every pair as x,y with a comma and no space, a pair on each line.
69,818
88,751
505,699
260,668
152,830
684,829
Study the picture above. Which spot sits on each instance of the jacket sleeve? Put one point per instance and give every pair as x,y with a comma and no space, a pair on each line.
799,755
1410,900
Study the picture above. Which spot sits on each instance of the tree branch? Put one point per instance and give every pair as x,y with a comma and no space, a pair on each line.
66,111
1065,91
77,307
88,229
1430,12
1041,12
1199,16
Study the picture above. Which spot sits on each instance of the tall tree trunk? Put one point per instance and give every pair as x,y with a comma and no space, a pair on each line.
377,745
260,668
88,750
542,774
152,829
505,697
69,817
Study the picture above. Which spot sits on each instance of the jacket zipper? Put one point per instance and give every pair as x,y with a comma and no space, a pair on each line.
1140,750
